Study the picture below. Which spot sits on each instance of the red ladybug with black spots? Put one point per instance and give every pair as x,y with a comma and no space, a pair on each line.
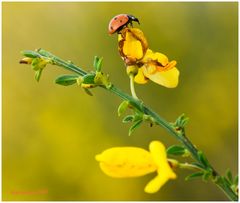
120,21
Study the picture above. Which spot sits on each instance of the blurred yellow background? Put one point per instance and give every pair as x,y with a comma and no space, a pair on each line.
51,133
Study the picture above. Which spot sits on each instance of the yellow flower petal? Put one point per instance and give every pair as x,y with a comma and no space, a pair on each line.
170,65
138,34
122,162
119,37
155,184
155,56
158,152
165,172
132,47
140,78
168,78
157,68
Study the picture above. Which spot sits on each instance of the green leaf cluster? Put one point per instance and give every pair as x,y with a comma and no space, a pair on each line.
203,159
137,118
230,180
38,62
205,175
181,122
90,80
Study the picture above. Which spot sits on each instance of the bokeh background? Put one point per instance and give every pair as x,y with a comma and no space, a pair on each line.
51,133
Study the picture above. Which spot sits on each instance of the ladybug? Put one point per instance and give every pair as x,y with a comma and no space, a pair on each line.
118,22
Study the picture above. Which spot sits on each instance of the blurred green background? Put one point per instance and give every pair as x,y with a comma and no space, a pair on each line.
51,133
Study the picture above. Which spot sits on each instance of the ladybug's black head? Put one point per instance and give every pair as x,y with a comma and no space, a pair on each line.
133,18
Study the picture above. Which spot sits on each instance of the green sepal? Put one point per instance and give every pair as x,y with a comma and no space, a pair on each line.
194,175
66,80
134,126
31,54
123,107
176,150
203,159
128,118
38,74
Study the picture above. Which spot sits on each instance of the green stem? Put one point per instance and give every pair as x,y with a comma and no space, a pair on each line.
132,87
176,164
179,135
189,166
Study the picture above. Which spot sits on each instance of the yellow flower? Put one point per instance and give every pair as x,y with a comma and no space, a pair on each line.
158,69
125,162
133,48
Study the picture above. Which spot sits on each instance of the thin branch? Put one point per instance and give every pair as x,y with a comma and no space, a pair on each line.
178,134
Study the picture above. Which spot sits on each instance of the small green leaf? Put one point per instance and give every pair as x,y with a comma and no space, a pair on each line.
95,61
99,64
185,121
203,159
195,175
128,118
226,181
67,80
134,126
206,176
229,175
89,78
181,121
123,107
138,116
38,74
235,181
88,92
198,165
31,54
176,150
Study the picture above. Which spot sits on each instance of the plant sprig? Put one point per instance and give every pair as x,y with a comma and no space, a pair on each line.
40,58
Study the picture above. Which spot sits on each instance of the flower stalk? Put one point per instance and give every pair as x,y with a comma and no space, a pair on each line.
176,131
132,87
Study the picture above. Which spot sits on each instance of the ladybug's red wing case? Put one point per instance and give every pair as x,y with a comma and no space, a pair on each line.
117,22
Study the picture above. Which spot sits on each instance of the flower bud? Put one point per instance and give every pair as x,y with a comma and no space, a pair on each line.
26,60
132,70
